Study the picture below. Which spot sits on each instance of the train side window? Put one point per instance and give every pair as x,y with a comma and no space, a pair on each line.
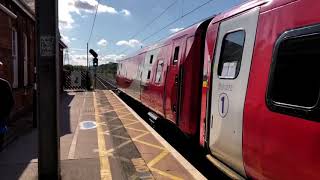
159,71
176,54
149,74
151,58
294,86
231,55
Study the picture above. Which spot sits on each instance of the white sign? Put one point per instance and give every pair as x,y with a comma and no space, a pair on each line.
76,79
47,48
229,70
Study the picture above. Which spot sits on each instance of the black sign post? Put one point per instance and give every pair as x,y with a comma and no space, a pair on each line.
48,89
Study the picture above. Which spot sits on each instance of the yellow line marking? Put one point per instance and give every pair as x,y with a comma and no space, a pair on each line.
129,119
124,115
158,158
139,130
117,136
119,146
105,171
141,135
149,144
165,174
119,127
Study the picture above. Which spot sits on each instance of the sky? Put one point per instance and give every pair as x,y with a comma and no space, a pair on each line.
120,25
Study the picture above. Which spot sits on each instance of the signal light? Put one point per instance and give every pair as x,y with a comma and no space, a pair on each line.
95,62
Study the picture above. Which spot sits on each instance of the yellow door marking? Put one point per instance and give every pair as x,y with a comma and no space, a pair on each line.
105,171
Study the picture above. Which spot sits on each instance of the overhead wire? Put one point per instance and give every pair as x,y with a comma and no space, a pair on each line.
153,20
94,21
150,22
172,22
176,20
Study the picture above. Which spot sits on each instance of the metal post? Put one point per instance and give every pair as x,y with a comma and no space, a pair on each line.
48,89
95,78
87,57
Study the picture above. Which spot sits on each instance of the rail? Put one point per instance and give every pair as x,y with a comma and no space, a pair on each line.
105,81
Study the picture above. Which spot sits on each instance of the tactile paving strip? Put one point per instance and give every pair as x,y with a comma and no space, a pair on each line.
122,155
157,158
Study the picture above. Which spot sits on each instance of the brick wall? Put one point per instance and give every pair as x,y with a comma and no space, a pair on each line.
24,25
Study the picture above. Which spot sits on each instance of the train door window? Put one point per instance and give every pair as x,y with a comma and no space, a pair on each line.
294,85
231,55
151,59
159,71
176,55
149,74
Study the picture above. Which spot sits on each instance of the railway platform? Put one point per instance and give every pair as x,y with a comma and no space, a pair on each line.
101,138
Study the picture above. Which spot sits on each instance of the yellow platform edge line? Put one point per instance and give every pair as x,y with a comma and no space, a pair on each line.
105,171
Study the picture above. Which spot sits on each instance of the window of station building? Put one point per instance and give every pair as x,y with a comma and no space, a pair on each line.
231,55
15,63
294,85
149,75
176,55
159,71
25,61
151,59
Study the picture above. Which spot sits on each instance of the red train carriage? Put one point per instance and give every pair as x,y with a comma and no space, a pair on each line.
246,83
167,77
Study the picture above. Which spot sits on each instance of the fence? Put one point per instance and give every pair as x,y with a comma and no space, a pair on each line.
76,80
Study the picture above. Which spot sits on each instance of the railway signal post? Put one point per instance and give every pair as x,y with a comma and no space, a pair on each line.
95,65
48,89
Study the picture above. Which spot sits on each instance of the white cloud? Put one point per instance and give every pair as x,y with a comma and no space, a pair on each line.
65,17
73,39
78,59
78,49
174,30
65,39
125,12
130,43
111,58
103,43
82,59
68,7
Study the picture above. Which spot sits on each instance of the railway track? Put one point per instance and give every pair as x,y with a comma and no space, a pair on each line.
104,84
194,154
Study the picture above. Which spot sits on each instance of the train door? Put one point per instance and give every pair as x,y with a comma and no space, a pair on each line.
173,83
230,75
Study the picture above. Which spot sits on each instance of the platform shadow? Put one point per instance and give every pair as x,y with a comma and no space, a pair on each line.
65,119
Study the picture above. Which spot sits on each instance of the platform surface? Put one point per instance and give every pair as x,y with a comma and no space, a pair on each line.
101,138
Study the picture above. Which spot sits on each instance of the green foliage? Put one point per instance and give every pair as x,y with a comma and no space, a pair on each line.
69,67
108,71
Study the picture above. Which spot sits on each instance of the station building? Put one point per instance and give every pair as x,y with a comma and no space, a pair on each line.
18,50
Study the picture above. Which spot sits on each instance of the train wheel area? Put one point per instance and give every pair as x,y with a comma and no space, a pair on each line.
102,138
